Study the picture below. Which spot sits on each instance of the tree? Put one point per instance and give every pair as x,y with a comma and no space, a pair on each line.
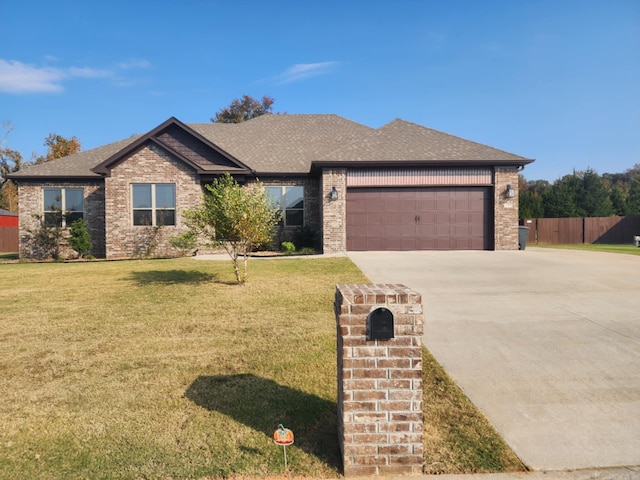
560,199
10,161
58,147
633,201
238,218
530,203
593,198
80,240
243,109
9,196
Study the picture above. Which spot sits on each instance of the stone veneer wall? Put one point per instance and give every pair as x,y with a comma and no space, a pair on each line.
150,164
380,419
334,212
31,199
505,209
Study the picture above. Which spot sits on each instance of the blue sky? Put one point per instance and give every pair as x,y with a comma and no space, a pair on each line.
554,80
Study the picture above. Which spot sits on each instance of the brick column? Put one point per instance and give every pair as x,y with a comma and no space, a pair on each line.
334,212
505,209
379,382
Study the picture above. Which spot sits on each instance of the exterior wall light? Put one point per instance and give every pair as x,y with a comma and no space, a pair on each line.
510,192
333,194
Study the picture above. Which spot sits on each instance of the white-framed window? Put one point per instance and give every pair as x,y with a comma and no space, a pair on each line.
63,206
154,204
291,203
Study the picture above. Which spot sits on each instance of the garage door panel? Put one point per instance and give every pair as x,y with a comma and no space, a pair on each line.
443,204
425,218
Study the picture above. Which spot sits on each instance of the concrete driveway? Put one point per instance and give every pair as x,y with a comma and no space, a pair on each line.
545,342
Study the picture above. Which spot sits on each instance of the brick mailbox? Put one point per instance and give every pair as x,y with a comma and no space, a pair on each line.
379,379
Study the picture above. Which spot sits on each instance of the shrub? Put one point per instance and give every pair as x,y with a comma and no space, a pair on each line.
44,241
185,242
288,248
80,240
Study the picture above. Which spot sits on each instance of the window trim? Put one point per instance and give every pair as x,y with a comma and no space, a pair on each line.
153,208
63,203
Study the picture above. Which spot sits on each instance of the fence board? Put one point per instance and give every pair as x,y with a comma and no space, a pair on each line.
8,239
611,230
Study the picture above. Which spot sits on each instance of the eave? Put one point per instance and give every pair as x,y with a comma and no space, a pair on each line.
317,165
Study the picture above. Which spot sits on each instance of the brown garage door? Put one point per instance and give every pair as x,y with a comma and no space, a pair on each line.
434,218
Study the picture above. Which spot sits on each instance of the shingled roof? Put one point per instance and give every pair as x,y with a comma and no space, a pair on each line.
78,165
292,144
283,143
402,141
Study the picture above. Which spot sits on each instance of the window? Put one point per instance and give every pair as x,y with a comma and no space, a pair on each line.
291,203
63,206
154,204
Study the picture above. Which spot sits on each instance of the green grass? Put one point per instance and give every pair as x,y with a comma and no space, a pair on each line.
167,369
627,249
8,256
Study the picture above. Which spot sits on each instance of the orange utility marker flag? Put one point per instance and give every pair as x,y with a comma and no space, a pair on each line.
283,436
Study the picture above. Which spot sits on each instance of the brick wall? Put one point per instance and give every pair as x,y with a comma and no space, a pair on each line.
334,212
31,201
311,207
150,164
505,209
379,382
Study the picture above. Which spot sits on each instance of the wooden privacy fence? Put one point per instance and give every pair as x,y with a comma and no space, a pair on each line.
8,239
611,230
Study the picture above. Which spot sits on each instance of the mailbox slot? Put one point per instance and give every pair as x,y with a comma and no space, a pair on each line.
380,324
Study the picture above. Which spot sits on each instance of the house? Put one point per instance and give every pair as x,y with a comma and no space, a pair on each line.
8,231
399,187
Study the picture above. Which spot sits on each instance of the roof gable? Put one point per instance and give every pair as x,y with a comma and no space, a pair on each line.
185,144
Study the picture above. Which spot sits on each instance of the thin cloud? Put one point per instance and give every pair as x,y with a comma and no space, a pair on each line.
18,77
302,71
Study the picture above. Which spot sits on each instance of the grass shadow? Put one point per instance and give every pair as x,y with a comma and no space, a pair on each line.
262,404
171,277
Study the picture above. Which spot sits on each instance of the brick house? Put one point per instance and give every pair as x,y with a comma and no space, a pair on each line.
399,187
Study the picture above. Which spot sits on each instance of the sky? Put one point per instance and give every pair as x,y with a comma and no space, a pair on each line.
553,80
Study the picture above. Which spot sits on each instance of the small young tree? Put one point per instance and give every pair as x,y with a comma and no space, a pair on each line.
238,218
80,240
44,240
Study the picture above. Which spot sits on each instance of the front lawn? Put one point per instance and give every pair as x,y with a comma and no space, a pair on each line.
167,369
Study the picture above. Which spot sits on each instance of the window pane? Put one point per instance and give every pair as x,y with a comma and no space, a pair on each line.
166,195
295,197
294,218
53,219
52,199
165,217
275,193
141,196
72,217
142,217
73,200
